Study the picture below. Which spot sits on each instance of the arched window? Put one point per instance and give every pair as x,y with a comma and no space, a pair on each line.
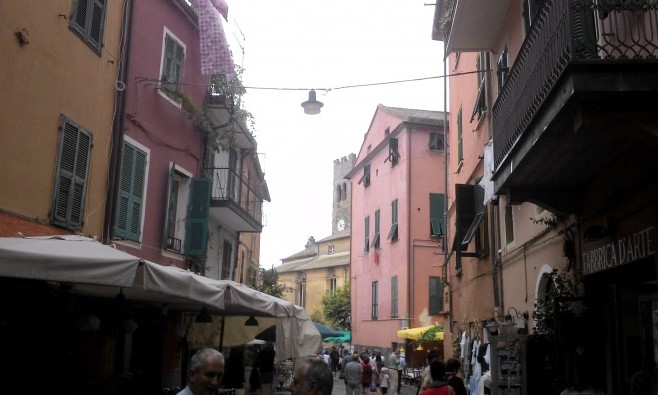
338,193
344,192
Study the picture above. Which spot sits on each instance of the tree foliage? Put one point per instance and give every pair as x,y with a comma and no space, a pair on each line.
336,307
269,283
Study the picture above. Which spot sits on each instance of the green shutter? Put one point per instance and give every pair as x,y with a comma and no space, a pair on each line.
128,216
196,233
435,296
437,204
72,173
465,207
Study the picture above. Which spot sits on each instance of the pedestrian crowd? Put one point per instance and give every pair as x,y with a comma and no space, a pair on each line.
363,374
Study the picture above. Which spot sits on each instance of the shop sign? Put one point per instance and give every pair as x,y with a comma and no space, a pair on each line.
620,251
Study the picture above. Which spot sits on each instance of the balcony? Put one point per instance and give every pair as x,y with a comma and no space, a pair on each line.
469,25
234,203
579,96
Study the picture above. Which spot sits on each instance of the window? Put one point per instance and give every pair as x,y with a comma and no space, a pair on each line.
365,178
394,296
480,101
301,300
393,232
343,192
227,261
72,173
130,199
437,204
339,193
509,224
460,133
436,296
393,152
366,244
375,297
173,56
88,20
436,142
333,286
503,70
375,238
188,202
331,249
479,222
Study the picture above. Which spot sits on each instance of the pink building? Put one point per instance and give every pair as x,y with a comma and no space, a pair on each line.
398,196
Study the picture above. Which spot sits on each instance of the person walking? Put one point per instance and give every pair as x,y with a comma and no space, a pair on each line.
366,376
205,374
452,378
402,367
393,365
385,381
312,377
353,373
334,359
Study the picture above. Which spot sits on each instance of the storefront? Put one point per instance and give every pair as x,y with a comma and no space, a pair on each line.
613,344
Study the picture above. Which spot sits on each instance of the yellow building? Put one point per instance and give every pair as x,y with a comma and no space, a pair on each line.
59,82
322,267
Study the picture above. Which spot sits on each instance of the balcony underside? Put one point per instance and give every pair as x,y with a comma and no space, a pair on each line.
476,25
232,216
595,116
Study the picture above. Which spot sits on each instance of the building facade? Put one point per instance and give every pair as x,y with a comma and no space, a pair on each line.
397,226
562,93
59,91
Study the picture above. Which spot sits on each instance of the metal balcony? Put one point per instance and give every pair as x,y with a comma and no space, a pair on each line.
580,95
234,203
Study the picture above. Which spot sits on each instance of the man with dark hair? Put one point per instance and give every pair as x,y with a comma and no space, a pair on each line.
312,377
426,378
452,368
353,373
205,374
438,386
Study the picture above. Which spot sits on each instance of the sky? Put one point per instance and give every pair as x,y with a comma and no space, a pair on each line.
298,45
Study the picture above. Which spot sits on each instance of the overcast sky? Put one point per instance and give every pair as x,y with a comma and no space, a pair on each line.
324,45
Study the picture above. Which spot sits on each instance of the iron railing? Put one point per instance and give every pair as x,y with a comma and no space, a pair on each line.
565,32
228,185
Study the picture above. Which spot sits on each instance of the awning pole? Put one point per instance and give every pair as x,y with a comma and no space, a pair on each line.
221,334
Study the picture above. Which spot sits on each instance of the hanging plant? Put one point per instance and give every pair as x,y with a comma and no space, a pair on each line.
430,334
561,285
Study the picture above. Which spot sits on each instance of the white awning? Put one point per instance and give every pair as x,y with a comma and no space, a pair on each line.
94,269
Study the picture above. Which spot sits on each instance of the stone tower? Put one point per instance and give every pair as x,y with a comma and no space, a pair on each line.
342,206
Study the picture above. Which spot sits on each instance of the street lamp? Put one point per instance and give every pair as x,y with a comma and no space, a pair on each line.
312,106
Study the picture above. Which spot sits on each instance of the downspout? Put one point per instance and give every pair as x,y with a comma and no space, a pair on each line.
496,264
118,121
410,252
446,145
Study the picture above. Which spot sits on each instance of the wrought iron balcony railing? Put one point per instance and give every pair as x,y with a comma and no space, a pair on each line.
230,187
567,32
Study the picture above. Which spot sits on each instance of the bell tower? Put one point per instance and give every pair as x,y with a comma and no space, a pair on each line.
342,202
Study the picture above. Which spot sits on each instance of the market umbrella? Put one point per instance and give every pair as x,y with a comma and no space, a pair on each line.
345,337
325,331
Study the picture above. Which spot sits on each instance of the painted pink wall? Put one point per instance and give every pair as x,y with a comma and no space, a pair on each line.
156,122
410,183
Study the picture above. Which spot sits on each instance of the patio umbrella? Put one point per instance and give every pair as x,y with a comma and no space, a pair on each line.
325,331
345,337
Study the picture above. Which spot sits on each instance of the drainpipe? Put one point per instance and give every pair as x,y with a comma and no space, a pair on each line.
118,121
410,252
446,243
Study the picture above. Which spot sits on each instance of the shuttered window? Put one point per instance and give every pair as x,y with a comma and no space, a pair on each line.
196,232
88,21
173,56
375,238
436,296
393,232
437,204
130,199
374,311
365,178
393,151
72,176
394,296
366,242
460,136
